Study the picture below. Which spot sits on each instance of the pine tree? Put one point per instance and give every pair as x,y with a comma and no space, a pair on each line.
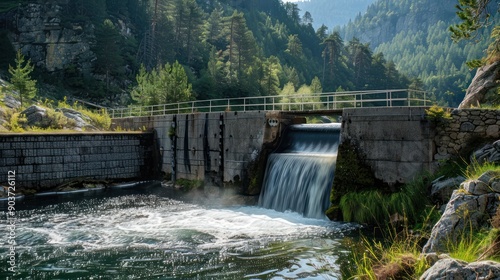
21,80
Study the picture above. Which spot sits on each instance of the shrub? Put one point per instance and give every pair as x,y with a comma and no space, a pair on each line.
436,114
16,122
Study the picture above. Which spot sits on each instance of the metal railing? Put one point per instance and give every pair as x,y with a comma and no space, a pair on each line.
314,102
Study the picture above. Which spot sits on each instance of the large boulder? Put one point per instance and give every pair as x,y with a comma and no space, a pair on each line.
445,269
81,121
470,207
35,115
486,79
442,188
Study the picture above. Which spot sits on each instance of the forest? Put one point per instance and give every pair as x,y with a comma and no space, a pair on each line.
196,49
415,36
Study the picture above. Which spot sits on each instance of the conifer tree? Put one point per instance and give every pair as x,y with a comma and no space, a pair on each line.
20,78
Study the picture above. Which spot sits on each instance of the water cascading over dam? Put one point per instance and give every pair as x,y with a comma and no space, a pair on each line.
300,173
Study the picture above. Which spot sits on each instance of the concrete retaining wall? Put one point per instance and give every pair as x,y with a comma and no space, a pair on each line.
42,161
397,143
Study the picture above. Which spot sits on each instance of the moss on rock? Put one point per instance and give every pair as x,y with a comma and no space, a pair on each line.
351,175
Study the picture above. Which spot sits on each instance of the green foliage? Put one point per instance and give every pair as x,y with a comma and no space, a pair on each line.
469,245
350,176
98,118
165,84
473,15
475,169
377,208
437,114
188,185
20,78
16,122
424,49
397,256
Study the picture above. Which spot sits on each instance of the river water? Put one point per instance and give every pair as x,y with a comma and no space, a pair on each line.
151,234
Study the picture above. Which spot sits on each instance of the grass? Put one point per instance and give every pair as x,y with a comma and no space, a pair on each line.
476,169
56,120
469,246
375,207
397,256
187,185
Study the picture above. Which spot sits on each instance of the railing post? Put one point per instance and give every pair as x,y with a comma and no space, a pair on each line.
210,106
244,104
192,106
265,104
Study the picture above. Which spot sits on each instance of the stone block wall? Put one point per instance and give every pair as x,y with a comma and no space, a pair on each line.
466,125
43,161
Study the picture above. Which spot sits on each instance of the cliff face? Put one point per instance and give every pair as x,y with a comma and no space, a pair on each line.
38,31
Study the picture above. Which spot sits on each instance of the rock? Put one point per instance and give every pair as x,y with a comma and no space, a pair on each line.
81,121
49,44
454,269
476,187
488,177
442,189
34,114
488,153
11,102
467,127
462,211
485,79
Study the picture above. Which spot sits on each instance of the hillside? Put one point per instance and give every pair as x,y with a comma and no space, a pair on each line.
414,34
94,50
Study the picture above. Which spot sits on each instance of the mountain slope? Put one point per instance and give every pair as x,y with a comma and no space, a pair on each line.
226,48
414,34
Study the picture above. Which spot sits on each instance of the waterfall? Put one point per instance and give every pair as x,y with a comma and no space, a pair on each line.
300,173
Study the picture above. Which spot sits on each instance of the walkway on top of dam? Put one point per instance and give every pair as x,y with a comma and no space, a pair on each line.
331,102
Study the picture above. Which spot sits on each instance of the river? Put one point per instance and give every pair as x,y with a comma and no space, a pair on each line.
152,233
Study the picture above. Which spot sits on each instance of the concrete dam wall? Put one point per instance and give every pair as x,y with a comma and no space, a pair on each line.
218,146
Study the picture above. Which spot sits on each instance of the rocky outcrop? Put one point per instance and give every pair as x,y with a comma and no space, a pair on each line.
486,79
470,208
62,118
82,122
38,31
447,268
488,153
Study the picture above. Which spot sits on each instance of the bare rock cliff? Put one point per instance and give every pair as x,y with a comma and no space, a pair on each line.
39,31
486,79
